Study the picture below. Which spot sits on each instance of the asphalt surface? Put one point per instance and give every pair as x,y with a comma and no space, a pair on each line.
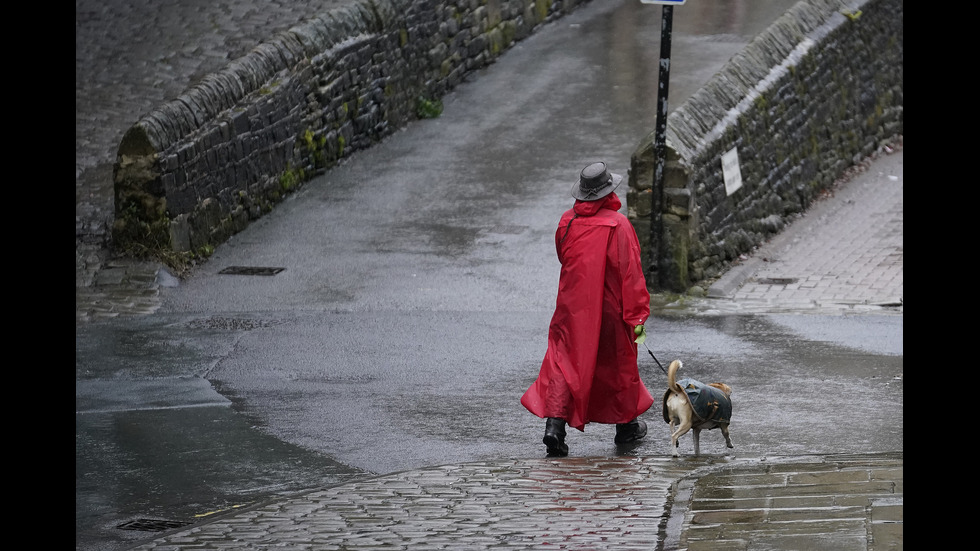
844,256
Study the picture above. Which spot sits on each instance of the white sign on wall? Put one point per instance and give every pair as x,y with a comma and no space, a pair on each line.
731,171
668,2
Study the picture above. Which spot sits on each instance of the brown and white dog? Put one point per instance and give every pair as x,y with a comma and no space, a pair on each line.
711,409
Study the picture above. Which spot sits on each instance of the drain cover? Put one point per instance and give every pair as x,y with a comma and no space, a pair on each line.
777,280
251,270
152,525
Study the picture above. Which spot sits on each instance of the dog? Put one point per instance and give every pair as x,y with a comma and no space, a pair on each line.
693,405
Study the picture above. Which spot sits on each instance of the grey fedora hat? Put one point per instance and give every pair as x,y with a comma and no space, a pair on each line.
595,182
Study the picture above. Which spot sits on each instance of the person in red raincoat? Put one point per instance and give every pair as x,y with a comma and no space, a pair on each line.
589,373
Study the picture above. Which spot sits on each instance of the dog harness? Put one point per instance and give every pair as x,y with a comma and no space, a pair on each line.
708,402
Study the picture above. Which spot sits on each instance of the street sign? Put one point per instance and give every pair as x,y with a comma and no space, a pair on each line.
665,2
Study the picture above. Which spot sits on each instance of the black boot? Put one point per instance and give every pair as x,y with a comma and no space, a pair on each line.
554,437
630,432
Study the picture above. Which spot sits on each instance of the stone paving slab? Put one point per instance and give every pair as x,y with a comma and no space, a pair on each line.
831,504
846,253
625,502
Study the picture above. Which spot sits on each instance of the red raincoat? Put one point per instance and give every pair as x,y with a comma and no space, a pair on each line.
589,373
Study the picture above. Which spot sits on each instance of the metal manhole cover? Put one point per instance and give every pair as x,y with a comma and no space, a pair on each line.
251,270
218,322
777,280
152,525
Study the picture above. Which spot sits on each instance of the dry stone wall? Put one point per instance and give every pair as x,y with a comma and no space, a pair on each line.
817,92
200,168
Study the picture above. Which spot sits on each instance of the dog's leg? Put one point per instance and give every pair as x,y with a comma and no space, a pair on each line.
697,441
681,430
728,439
681,416
673,441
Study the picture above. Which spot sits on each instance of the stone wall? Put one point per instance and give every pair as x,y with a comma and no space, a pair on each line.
200,168
817,92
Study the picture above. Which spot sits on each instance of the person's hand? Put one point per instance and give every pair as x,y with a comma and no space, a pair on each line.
641,334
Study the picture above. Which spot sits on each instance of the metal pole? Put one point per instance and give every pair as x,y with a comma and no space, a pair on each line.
660,149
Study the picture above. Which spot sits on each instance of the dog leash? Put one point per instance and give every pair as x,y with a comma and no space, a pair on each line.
645,345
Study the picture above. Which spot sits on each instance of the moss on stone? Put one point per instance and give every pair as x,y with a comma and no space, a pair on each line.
428,109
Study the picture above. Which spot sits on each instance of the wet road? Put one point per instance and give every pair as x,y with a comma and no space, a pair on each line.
412,311
270,404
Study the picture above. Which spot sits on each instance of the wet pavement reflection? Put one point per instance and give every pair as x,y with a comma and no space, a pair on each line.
377,377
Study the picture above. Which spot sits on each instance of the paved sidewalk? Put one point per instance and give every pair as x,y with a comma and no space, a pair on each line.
844,255
819,502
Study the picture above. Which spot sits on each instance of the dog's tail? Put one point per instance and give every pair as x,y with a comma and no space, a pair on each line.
672,376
